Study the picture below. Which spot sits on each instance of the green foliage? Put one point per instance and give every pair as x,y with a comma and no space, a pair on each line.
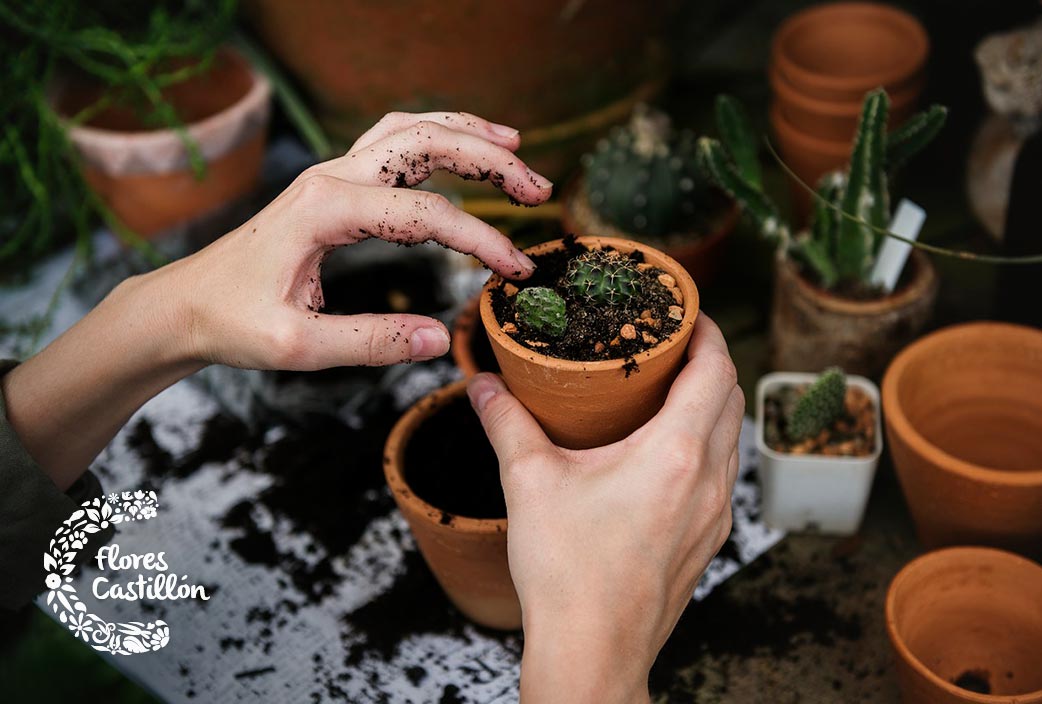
603,277
841,244
542,310
644,178
819,406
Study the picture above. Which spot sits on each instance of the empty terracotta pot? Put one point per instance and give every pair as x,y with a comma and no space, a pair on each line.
812,329
471,350
963,410
966,626
808,156
590,404
143,174
839,51
701,253
468,556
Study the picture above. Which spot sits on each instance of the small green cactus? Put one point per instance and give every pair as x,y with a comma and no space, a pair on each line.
603,277
838,249
819,406
541,310
644,179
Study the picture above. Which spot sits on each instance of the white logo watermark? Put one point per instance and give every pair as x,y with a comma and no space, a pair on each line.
119,638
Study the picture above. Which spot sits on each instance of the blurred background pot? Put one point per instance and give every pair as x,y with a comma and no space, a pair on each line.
812,329
144,175
966,626
963,413
468,556
471,350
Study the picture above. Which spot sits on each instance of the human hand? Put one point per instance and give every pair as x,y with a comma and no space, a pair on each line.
607,545
253,297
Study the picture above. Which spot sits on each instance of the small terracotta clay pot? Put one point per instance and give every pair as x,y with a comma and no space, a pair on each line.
471,350
971,616
468,556
837,52
701,253
144,175
812,329
963,409
590,404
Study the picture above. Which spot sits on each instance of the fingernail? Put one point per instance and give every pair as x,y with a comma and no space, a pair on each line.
428,342
481,390
540,181
524,261
503,130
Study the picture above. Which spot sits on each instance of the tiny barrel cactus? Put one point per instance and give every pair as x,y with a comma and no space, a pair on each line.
603,277
644,179
541,310
819,406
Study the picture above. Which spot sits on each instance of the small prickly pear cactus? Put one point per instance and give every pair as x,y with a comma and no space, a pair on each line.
541,310
643,178
603,277
819,406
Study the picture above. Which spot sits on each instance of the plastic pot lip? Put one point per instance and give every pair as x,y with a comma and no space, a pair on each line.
900,426
893,77
667,263
394,464
826,462
976,555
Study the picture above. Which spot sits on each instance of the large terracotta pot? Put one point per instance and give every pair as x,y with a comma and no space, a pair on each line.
590,404
839,51
505,62
701,253
812,329
963,409
143,175
468,556
972,616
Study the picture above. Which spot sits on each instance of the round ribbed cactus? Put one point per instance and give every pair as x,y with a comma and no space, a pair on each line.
819,406
643,178
541,310
603,277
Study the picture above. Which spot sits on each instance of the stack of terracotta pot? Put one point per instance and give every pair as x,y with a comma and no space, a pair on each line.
823,61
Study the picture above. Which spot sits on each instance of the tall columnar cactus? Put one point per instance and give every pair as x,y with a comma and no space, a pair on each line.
644,178
603,277
541,310
853,206
819,406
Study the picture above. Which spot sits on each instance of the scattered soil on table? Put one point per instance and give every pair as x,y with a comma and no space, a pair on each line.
450,464
852,435
594,332
221,439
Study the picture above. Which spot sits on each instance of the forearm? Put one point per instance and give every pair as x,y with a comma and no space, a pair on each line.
68,401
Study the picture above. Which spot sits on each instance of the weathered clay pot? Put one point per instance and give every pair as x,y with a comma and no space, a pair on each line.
812,329
471,350
701,253
143,174
590,404
963,410
839,51
968,615
468,556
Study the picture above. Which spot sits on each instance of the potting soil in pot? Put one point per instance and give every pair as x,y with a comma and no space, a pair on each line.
851,435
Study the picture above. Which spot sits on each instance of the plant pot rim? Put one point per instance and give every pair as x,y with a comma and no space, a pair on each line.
918,50
768,381
851,109
665,262
925,278
976,555
900,425
394,464
840,149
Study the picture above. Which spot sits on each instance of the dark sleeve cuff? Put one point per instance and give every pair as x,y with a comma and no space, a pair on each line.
31,509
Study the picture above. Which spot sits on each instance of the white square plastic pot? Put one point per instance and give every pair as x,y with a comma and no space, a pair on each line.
814,492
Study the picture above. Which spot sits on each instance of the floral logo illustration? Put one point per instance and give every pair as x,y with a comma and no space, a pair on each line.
94,516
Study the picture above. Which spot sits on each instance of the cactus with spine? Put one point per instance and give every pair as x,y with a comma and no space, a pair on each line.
541,310
819,406
603,277
853,206
644,179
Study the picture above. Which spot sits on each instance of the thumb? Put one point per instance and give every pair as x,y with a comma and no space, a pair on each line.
511,429
372,340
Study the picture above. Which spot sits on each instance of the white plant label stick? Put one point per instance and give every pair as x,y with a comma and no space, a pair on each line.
907,222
